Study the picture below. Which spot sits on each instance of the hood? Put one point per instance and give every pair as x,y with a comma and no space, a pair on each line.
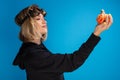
22,54
19,59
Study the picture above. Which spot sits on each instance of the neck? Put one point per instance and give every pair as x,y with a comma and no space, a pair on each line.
36,41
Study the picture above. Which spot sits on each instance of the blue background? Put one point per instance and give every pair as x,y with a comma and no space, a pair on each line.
70,23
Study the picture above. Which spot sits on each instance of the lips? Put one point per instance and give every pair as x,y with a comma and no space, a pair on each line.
44,26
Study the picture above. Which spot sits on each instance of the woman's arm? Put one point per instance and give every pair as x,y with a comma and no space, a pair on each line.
45,61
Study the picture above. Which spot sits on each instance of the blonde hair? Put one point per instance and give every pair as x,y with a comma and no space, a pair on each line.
29,31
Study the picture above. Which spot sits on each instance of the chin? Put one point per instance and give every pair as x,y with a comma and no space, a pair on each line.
45,31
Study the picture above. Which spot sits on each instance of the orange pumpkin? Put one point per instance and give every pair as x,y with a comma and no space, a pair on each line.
101,18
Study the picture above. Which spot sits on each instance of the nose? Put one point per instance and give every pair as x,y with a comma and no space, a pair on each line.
44,21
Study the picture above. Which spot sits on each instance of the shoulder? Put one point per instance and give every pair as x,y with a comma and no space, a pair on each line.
34,50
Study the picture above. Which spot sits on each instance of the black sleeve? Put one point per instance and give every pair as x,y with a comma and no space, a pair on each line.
49,62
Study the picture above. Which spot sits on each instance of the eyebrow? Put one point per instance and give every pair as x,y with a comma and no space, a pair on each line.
38,16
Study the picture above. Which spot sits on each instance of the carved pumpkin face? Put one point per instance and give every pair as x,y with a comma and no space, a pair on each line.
101,18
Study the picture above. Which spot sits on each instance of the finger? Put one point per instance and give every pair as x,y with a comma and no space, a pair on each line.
107,19
110,19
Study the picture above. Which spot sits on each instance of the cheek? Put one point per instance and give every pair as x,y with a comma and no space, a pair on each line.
38,23
40,27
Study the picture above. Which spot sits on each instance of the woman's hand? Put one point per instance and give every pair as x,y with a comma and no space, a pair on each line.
104,25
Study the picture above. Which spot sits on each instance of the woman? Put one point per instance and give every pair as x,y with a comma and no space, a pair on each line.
38,62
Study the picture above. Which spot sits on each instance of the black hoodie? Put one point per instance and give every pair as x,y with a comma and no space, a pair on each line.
41,64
